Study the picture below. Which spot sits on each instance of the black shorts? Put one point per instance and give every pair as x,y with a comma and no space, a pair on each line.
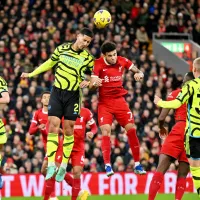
64,103
192,147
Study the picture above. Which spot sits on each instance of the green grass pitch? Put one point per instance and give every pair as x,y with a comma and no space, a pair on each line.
117,197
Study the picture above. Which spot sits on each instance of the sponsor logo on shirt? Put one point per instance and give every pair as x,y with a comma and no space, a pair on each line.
78,127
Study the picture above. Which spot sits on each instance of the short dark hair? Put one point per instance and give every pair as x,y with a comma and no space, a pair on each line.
45,92
87,31
190,75
108,47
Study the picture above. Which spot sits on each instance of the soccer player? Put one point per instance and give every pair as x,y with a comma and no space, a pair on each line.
40,118
107,75
77,155
70,61
173,147
4,99
190,94
39,122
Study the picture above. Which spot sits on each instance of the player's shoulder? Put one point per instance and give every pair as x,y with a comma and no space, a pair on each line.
64,46
122,59
38,111
87,54
194,82
176,92
99,62
2,81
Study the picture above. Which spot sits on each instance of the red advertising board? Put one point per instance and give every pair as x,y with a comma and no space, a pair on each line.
96,183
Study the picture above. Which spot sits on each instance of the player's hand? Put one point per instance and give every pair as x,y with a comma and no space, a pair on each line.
42,126
138,76
90,135
84,84
97,82
156,99
163,133
24,75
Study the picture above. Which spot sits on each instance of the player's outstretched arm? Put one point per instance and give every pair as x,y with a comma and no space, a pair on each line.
167,104
42,68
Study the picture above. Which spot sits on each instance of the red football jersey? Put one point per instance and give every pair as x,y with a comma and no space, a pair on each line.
86,117
41,117
181,112
112,76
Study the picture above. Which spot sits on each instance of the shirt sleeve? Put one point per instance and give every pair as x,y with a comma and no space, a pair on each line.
170,104
186,91
171,96
35,118
90,119
46,65
127,63
90,65
3,86
96,70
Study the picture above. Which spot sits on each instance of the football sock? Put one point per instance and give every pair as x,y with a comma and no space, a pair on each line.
0,159
69,179
106,149
49,188
155,185
52,146
68,144
76,188
134,144
180,188
195,171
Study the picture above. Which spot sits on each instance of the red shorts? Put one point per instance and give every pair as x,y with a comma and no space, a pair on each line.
174,143
59,154
77,158
116,107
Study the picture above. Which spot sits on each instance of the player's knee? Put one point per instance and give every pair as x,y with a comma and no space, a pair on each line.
77,174
129,126
105,129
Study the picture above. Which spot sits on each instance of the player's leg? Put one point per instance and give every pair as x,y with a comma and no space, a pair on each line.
71,112
163,165
49,192
76,181
1,181
105,119
77,160
192,147
3,140
124,117
183,170
76,189
55,112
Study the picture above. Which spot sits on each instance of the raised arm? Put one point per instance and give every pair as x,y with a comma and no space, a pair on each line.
45,66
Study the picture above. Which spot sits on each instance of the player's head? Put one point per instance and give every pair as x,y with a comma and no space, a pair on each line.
84,38
196,67
188,77
45,98
108,49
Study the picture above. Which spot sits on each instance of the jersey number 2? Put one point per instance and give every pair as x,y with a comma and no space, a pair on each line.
76,107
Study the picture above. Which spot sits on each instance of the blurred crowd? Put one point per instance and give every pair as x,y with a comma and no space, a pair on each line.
30,30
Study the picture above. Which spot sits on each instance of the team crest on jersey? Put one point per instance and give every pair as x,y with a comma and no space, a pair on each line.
120,68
